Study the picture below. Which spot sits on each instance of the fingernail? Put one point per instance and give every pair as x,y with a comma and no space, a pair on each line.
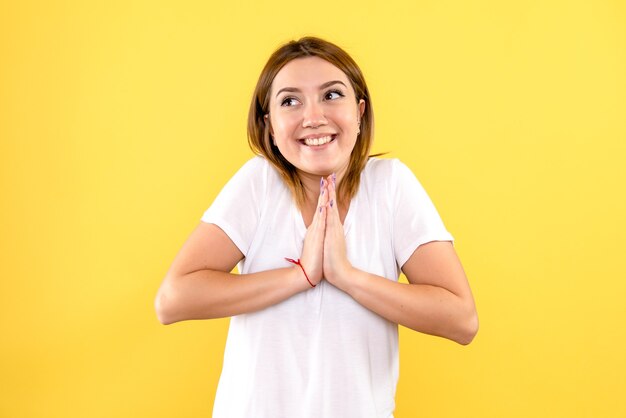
321,182
320,209
334,178
331,203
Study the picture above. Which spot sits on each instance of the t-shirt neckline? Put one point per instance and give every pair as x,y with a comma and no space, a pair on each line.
347,222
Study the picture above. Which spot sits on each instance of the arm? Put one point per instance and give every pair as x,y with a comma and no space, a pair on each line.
199,284
437,300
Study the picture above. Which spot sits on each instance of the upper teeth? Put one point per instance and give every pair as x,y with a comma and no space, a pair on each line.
318,141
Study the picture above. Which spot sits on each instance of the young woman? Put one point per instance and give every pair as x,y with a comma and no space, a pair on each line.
321,231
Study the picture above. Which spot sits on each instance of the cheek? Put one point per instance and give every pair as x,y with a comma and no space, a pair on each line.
346,116
284,126
349,123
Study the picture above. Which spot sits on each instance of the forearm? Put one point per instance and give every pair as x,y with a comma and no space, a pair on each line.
424,308
206,294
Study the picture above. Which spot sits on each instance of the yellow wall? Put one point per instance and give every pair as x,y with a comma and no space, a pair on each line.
120,121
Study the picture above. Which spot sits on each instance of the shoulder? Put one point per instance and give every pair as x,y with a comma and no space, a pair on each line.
256,170
254,165
379,179
387,169
247,182
246,189
259,180
391,179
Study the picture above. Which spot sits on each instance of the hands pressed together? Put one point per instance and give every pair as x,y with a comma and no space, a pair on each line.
324,251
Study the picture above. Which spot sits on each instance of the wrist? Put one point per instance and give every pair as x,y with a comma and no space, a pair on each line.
300,275
342,278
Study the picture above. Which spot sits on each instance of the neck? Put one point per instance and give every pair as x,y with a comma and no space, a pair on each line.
311,183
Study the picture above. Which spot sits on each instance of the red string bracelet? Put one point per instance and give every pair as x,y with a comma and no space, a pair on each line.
300,264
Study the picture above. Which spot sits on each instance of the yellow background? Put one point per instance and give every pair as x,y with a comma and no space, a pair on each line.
120,121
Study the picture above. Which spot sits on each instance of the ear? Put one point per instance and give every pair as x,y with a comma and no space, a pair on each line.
269,123
361,108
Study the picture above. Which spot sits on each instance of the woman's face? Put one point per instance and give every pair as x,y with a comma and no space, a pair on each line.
314,116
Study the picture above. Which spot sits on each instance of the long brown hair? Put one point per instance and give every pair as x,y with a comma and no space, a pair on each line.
258,126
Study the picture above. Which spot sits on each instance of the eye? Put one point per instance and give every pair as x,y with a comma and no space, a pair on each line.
289,101
333,95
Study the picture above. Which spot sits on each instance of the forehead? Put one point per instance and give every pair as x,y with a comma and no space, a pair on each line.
308,72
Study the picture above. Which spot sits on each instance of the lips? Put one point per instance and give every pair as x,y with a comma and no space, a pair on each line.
318,140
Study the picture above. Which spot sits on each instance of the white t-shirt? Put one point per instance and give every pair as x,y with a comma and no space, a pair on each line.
318,354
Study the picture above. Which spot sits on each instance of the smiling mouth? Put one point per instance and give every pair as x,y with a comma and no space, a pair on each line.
316,142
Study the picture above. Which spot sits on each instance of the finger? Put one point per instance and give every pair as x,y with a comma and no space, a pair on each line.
332,195
324,192
319,217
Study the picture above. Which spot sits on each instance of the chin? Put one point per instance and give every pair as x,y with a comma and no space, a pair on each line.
321,169
318,171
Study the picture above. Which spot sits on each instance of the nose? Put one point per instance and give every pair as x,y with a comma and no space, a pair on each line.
313,116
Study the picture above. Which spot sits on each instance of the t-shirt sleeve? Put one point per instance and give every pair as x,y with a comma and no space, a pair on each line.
416,220
236,209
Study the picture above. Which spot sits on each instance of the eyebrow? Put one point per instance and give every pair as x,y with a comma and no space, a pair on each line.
322,87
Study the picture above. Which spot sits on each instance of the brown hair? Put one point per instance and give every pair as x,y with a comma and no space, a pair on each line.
258,126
